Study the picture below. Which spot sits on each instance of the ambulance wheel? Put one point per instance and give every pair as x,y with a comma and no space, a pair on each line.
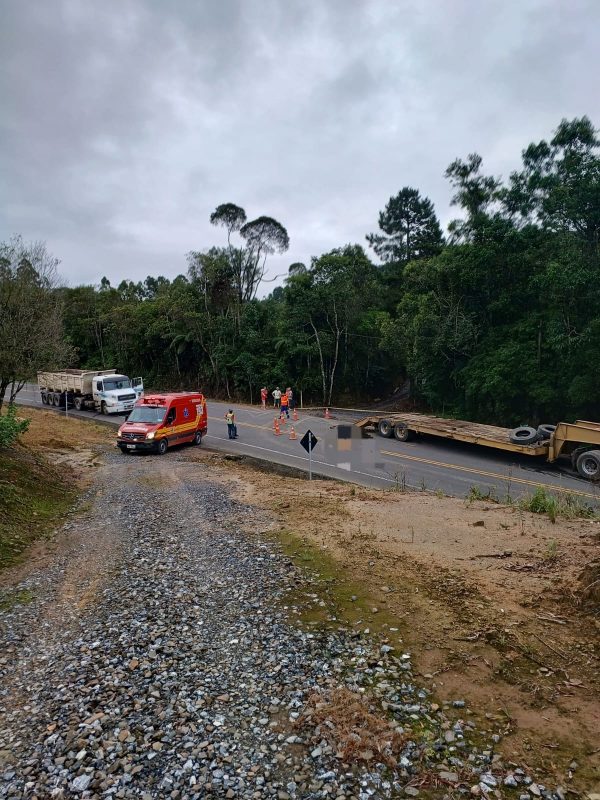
162,447
198,438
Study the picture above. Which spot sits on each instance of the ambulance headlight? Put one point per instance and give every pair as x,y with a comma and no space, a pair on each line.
150,435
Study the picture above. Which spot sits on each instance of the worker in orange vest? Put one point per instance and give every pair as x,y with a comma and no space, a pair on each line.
285,405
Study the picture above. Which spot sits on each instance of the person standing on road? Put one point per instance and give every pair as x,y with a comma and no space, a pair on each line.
276,397
231,426
263,397
285,405
290,397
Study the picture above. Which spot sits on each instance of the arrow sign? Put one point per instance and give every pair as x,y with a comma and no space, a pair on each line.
308,441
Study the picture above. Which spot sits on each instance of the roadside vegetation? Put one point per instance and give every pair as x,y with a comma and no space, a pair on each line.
39,475
565,505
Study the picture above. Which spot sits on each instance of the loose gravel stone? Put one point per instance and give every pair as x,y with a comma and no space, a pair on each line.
174,668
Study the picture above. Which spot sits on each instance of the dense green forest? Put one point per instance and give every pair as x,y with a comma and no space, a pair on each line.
498,320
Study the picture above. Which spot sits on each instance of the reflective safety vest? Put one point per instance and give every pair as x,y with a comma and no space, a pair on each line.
284,400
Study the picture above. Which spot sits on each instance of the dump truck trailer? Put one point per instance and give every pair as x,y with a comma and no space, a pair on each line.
577,443
103,390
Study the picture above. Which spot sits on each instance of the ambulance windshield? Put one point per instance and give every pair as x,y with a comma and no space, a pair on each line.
147,414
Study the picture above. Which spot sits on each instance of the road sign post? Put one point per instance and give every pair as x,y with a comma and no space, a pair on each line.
308,442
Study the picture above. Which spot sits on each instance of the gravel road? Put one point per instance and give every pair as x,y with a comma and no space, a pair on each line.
158,659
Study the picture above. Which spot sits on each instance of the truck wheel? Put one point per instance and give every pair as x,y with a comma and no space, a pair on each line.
162,447
198,438
44,399
385,428
401,432
55,400
546,431
588,465
78,403
103,408
523,435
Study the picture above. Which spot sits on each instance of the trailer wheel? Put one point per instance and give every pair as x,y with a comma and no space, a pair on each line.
546,431
162,447
78,403
401,432
523,435
385,428
588,465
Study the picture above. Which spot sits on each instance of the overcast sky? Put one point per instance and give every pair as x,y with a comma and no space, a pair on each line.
124,123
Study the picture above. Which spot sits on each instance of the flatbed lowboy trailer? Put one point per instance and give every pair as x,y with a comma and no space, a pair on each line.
578,441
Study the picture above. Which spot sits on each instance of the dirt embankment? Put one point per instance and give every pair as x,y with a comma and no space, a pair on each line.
40,479
489,599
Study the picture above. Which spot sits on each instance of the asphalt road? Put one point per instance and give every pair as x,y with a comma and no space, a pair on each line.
428,463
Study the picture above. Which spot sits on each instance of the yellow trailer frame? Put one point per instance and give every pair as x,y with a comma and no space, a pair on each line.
460,430
569,440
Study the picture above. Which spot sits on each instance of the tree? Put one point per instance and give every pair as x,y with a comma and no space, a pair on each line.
410,229
31,315
262,236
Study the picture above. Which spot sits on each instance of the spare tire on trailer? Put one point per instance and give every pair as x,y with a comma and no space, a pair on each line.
385,428
523,435
401,431
546,431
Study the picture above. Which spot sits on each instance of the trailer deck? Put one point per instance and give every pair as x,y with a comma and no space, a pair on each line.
460,430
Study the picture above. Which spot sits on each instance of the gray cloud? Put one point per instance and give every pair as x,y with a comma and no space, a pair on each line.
124,123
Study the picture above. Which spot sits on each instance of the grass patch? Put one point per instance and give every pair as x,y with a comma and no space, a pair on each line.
335,600
9,600
568,506
34,497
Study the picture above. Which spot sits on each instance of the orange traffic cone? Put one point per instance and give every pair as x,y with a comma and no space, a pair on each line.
295,416
276,429
282,418
293,433
327,414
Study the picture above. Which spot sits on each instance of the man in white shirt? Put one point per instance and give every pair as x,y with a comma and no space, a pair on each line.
276,397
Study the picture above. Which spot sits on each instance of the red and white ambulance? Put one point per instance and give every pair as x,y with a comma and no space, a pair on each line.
159,421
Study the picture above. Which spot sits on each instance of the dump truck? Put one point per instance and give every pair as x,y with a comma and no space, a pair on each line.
103,390
574,443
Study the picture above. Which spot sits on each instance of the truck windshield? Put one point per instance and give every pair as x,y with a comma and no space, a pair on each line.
147,414
116,383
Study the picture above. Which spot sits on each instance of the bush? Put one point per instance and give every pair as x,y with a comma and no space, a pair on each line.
11,427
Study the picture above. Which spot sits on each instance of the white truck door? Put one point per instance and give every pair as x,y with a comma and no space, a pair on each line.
138,386
97,392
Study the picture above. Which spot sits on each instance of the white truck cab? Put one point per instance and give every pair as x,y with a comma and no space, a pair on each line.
116,394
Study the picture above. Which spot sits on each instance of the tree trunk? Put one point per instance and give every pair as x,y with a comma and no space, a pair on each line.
4,382
14,392
323,375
